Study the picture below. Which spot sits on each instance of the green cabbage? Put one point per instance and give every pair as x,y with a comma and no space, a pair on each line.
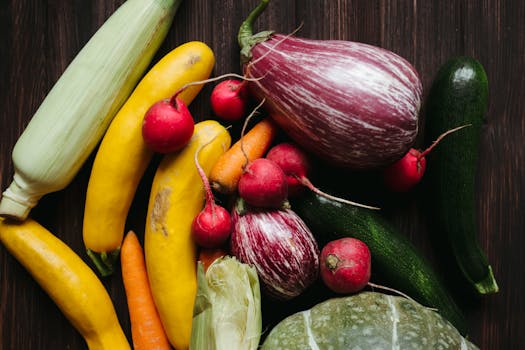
227,310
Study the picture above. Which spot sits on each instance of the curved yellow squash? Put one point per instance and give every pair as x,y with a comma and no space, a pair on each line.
177,196
70,283
123,157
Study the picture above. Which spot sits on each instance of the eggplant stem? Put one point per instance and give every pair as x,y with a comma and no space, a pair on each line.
306,182
246,38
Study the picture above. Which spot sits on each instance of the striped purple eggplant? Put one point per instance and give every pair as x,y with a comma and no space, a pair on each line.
352,104
280,247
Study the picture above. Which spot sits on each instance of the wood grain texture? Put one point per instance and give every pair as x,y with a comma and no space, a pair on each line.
39,39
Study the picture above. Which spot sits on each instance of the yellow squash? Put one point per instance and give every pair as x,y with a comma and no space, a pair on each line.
177,196
122,157
70,283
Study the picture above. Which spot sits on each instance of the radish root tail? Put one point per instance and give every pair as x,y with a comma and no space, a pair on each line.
305,182
441,137
378,286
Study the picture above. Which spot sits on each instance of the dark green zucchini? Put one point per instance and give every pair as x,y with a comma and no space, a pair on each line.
458,96
395,260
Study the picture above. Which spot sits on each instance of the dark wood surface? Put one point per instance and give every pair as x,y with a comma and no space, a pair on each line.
39,38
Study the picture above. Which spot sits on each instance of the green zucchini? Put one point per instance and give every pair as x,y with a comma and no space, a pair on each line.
458,96
395,260
367,320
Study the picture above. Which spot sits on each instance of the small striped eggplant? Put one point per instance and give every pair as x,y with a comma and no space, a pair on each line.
280,247
352,104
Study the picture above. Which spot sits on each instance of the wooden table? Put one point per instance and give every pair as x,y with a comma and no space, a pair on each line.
39,38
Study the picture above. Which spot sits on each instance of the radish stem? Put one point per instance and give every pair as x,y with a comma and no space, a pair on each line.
244,130
200,82
210,199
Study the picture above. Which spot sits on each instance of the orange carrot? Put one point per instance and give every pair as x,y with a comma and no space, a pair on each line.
208,255
147,331
228,169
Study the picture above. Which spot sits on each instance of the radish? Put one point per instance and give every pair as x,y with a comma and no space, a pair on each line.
345,265
167,125
296,165
408,171
351,104
212,226
263,184
228,100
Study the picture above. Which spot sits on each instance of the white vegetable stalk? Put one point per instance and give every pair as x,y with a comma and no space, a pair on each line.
75,114
227,313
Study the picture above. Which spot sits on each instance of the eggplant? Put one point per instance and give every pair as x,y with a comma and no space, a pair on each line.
352,104
280,247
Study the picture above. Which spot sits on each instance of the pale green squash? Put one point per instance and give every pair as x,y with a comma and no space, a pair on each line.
367,320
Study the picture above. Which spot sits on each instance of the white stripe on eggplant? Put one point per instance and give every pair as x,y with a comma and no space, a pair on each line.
351,103
281,248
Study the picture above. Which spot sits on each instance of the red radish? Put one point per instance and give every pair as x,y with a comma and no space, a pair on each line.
167,126
228,100
345,265
296,165
263,184
212,226
352,104
408,171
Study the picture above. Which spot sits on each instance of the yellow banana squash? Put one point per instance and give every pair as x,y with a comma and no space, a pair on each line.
177,196
123,157
70,283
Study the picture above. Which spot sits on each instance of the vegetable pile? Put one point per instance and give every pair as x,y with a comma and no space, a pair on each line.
233,222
